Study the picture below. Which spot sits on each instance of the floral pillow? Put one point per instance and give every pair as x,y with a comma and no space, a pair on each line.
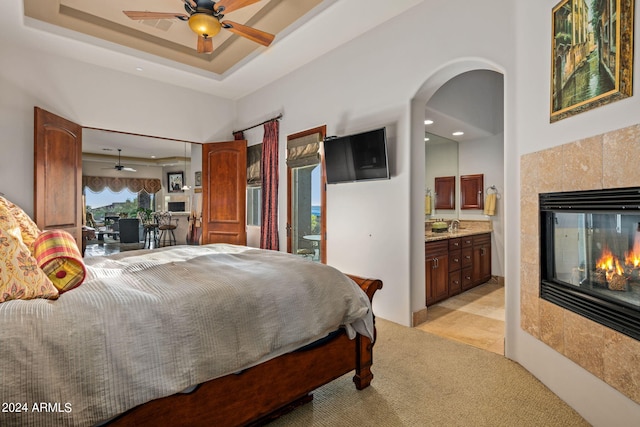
20,275
28,229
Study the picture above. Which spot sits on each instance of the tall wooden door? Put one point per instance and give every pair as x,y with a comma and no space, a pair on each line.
57,173
224,184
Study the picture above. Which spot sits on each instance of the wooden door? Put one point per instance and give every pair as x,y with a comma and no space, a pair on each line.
437,271
224,184
57,173
301,202
481,258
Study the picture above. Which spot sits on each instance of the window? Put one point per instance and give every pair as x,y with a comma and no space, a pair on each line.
108,201
254,205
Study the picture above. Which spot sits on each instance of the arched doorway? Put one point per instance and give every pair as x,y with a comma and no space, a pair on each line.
433,84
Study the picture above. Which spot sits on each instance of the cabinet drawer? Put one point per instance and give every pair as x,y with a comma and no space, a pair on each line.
455,283
481,239
467,257
436,248
455,244
467,241
455,260
467,279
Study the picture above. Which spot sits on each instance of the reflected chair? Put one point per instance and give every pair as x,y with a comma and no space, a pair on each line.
150,230
167,236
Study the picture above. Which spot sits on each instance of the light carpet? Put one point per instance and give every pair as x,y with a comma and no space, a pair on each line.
424,380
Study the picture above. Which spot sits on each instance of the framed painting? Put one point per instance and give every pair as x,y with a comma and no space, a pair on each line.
175,182
592,55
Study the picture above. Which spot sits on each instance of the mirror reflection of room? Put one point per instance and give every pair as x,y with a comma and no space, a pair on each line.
126,188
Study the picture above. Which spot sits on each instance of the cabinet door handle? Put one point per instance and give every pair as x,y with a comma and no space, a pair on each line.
456,260
467,256
482,251
467,277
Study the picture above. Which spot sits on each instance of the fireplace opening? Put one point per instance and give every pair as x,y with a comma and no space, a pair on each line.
176,206
590,255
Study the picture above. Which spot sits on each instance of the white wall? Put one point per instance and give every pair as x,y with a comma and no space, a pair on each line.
599,403
96,97
370,83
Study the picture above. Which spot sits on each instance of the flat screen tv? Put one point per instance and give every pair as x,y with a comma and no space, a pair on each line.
357,157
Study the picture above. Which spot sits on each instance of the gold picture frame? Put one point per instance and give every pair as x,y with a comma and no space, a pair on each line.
591,55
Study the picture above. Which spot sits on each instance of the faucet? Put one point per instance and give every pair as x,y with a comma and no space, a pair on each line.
455,224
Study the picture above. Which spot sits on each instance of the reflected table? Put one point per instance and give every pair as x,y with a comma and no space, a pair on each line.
315,238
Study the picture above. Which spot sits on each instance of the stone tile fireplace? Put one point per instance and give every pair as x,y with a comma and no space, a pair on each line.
600,162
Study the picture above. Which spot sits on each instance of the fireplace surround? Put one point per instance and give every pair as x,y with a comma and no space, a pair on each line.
590,255
581,165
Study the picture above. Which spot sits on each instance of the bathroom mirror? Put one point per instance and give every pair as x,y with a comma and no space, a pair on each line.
441,161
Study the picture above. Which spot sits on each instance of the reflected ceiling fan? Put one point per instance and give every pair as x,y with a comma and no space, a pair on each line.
205,19
119,166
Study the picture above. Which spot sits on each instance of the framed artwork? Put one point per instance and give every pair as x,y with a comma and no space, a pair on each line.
175,182
592,55
198,179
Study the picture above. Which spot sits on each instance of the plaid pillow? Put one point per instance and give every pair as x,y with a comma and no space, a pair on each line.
57,254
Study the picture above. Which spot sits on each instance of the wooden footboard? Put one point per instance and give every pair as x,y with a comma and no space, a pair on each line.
255,394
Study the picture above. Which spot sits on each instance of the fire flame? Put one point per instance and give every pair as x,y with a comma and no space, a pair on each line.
633,256
606,261
610,264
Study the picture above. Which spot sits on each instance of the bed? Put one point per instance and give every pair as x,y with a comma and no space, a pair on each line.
187,335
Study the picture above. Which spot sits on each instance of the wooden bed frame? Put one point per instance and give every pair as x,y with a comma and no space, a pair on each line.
266,391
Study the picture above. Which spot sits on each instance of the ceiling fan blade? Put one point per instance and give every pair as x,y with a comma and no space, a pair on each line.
139,15
205,45
257,36
229,6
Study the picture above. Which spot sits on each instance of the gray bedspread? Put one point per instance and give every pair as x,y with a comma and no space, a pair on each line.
148,324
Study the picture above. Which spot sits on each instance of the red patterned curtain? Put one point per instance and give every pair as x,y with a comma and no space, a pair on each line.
269,173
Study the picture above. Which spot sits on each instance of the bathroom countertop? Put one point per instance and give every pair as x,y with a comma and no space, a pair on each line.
467,228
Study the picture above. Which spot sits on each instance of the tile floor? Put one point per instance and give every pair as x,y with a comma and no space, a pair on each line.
475,317
110,246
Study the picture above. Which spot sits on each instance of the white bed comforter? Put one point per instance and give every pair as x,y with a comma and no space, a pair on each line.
148,324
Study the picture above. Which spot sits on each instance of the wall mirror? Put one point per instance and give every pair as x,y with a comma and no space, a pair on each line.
140,157
441,161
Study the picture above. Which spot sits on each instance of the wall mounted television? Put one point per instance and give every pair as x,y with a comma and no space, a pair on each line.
356,157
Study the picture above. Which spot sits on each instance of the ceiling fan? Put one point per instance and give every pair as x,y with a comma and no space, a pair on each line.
205,19
119,166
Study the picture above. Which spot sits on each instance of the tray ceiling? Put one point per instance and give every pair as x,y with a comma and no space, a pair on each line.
171,39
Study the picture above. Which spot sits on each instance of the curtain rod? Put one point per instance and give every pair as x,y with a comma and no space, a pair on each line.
278,117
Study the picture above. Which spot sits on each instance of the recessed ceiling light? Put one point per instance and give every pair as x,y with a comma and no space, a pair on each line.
426,139
458,133
139,68
428,122
153,157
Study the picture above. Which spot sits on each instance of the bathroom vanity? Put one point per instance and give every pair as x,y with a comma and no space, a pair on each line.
457,261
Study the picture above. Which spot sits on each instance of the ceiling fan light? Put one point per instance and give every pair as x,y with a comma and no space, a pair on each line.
204,24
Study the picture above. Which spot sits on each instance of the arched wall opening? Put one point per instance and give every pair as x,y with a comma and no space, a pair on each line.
418,104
